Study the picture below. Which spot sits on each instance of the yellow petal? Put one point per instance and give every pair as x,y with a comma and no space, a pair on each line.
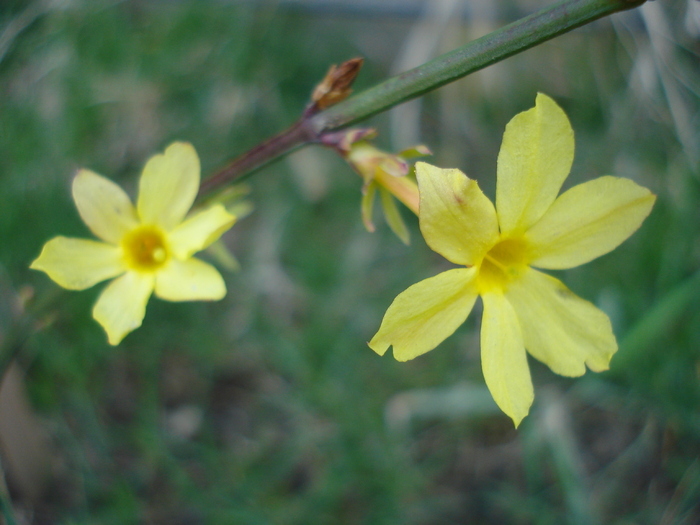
199,231
122,305
588,221
425,314
103,206
559,328
535,158
168,186
503,358
77,264
457,220
393,217
190,280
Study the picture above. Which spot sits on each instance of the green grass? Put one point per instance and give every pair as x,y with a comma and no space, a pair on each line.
268,407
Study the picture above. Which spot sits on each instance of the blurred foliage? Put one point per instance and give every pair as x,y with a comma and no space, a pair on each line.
268,407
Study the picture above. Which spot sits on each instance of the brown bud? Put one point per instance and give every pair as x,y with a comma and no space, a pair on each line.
335,86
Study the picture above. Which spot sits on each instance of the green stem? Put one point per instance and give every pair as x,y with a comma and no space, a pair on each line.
478,54
503,43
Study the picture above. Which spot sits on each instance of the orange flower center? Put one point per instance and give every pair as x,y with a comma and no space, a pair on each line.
506,261
145,248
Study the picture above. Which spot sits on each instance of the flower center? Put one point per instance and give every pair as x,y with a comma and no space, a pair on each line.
506,261
145,248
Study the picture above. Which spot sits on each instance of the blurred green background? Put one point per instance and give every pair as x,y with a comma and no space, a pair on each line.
268,407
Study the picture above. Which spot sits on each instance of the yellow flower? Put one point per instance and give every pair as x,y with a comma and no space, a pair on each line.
529,228
386,173
148,248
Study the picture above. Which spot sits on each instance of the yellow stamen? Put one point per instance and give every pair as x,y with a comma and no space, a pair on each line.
503,263
145,248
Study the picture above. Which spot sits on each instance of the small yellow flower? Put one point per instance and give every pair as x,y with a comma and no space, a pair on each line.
386,173
148,248
529,228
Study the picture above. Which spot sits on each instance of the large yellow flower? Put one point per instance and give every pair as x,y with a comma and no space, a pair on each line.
530,228
147,248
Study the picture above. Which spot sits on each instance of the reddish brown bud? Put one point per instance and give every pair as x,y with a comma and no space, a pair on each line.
335,86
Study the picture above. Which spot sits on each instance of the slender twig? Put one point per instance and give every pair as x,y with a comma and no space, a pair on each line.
298,134
518,36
